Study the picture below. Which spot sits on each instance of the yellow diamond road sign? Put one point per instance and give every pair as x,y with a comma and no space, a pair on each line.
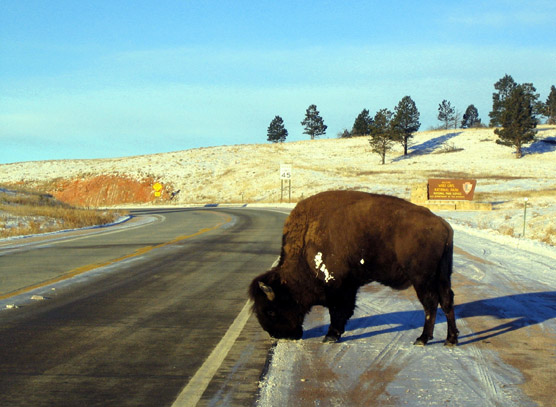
157,188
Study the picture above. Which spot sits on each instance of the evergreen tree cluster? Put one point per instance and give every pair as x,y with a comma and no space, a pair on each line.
313,122
387,127
516,110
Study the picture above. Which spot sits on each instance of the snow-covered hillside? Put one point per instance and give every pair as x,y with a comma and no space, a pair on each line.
250,173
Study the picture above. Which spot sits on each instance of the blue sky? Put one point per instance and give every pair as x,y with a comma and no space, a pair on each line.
117,78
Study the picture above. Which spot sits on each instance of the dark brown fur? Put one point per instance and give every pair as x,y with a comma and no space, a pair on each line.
361,238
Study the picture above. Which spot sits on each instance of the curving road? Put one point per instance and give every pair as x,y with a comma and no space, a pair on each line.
132,315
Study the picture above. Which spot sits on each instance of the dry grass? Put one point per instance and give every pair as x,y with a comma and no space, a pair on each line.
465,175
549,236
516,195
448,148
385,172
507,230
23,212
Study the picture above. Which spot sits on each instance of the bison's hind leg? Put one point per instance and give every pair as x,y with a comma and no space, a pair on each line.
447,304
429,299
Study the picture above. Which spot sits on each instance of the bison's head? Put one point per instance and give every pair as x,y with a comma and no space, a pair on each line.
277,311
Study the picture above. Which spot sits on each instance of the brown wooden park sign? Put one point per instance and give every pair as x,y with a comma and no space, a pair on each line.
451,189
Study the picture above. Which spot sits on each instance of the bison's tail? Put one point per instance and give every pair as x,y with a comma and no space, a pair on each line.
446,263
445,272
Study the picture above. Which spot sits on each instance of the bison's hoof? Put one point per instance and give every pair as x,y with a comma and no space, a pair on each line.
450,342
331,339
422,340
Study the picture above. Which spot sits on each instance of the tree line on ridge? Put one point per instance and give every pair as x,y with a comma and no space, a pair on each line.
516,111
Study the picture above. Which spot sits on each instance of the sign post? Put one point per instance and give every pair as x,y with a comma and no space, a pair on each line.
524,215
285,174
157,188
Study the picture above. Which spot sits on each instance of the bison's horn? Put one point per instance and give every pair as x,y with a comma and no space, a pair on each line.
267,290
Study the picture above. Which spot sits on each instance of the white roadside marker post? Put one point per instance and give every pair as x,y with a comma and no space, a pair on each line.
524,215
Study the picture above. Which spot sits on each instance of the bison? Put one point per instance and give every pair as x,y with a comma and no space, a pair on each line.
337,241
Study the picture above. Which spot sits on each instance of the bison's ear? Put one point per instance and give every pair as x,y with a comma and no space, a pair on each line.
267,290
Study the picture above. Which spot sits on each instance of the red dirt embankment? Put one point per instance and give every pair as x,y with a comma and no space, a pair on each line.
105,190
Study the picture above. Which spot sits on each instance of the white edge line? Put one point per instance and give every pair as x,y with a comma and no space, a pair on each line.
193,391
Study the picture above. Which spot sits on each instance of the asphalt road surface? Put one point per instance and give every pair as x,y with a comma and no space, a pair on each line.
150,314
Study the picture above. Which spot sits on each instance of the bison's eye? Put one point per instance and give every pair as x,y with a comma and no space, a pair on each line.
270,313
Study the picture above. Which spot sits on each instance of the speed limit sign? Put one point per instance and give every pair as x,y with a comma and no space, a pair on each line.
285,171
285,174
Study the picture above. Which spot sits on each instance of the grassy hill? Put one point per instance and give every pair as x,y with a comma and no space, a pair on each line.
250,173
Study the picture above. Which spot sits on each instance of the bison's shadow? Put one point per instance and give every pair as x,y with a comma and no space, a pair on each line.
518,311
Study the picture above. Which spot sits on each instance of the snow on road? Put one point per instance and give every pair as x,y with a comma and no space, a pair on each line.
506,310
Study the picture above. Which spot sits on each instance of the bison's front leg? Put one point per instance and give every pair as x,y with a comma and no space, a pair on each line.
336,328
340,309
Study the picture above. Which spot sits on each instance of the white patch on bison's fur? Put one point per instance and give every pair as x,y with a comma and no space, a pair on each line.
327,275
318,260
319,264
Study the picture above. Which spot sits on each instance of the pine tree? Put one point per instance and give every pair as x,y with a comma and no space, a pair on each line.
406,121
517,120
530,93
446,113
470,118
314,125
504,86
383,133
362,124
550,106
344,134
276,132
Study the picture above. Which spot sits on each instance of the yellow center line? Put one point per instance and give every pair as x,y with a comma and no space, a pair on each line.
83,269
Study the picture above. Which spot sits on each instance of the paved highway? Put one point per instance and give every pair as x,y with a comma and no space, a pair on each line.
149,315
